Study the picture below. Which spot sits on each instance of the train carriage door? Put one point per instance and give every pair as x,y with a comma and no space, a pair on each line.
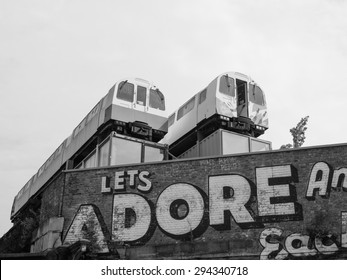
242,99
140,102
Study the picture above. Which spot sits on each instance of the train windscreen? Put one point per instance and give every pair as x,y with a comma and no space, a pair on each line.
126,91
226,85
156,99
256,95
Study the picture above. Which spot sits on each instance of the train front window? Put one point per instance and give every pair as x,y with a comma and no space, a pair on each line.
226,85
156,99
126,91
256,95
141,96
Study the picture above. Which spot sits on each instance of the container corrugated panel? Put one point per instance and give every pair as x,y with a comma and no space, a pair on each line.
190,153
211,145
224,142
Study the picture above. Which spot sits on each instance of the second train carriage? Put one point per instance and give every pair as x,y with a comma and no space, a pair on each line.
232,101
132,107
136,107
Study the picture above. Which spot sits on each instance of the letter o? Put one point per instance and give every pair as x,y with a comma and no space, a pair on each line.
168,221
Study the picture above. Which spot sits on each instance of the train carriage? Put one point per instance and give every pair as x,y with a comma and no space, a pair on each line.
136,107
231,101
132,107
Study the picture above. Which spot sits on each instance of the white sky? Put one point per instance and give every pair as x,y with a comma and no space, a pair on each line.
59,58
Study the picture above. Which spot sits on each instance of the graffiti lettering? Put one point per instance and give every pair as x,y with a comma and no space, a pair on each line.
270,239
88,224
294,245
229,194
131,217
320,180
144,185
344,230
340,179
300,245
180,209
184,211
297,245
276,192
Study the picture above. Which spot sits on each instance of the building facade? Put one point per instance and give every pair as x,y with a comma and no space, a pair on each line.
286,204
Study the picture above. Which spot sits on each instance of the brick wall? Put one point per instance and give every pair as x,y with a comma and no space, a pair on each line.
52,199
272,205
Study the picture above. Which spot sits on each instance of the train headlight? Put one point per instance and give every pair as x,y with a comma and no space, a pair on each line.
259,127
224,118
120,123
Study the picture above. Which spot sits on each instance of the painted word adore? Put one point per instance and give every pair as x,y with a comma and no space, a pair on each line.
184,210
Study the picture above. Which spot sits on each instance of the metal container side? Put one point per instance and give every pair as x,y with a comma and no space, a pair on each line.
211,145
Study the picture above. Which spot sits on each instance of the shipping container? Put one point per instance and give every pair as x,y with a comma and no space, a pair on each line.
224,142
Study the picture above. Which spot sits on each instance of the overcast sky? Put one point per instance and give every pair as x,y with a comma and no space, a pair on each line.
59,58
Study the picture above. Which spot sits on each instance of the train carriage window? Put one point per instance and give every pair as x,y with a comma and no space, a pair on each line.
202,96
126,91
156,99
256,95
226,85
141,95
79,127
171,120
186,108
93,112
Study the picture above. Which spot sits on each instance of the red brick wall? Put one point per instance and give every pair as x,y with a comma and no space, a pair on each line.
52,199
281,204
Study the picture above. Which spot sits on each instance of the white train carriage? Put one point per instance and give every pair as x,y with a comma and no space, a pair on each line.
231,101
133,107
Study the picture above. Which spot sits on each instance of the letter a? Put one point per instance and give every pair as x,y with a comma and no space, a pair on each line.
87,225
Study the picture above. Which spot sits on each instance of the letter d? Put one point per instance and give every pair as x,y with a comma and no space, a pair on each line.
125,205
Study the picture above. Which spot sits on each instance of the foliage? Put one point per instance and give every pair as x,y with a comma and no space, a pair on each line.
298,134
18,238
